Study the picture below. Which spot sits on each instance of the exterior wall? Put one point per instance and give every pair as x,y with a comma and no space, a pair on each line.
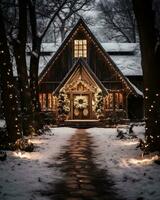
137,81
135,108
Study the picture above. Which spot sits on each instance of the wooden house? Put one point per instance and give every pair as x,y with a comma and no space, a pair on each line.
83,77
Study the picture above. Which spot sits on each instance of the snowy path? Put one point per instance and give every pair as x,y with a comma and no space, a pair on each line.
66,157
82,179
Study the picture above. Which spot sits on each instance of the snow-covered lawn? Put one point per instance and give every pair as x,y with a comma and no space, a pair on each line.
22,175
135,177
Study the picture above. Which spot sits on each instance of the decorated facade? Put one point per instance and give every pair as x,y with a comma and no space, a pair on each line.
82,82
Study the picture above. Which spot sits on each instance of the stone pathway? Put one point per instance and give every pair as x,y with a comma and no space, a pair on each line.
83,180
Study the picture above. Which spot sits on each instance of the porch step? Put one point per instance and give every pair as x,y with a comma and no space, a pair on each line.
82,123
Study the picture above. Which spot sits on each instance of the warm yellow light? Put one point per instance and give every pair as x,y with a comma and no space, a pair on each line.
80,48
145,161
130,143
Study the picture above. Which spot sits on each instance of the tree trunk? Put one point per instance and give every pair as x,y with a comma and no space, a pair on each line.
9,94
35,56
150,64
34,66
20,57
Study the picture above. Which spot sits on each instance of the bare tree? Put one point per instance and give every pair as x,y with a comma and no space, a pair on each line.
119,19
19,46
150,49
37,38
17,35
67,17
9,94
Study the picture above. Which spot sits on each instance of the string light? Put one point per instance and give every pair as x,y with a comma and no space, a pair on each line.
146,89
11,96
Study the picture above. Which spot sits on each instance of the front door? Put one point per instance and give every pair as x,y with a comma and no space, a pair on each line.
81,106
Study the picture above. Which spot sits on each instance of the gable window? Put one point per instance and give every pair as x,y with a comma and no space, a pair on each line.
80,48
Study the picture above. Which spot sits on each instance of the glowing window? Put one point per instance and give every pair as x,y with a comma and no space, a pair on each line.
80,48
114,100
47,101
109,101
50,105
118,100
42,100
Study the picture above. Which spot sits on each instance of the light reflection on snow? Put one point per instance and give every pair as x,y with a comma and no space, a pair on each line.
36,141
129,143
21,154
27,155
145,161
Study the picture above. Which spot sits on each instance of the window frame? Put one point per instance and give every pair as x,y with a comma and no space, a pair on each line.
116,97
47,101
80,48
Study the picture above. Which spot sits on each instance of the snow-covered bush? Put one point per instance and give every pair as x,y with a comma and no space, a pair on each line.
99,104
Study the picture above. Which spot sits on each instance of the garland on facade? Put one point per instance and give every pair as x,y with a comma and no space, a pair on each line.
80,102
99,104
63,103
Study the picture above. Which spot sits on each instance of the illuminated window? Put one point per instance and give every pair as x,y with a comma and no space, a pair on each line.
109,101
50,101
114,101
118,100
80,48
54,99
42,100
47,101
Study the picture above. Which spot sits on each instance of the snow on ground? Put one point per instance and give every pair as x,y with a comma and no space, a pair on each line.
23,175
135,177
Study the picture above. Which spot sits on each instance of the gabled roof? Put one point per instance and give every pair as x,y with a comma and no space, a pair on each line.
80,63
98,45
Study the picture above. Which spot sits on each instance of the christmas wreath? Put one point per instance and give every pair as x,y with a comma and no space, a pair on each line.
80,102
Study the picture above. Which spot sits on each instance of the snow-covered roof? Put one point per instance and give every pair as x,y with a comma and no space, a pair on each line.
119,47
109,47
45,47
130,65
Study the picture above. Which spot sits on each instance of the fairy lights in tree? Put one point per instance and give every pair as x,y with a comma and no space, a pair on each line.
9,97
152,116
